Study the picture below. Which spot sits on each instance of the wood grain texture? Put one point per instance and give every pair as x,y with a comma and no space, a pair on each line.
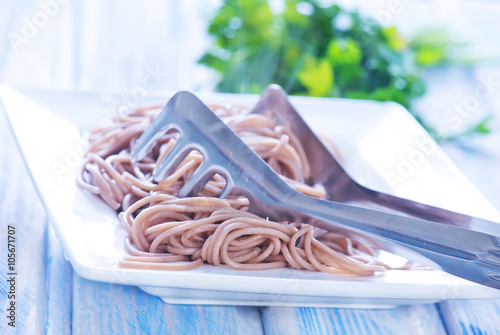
411,320
52,299
101,308
59,288
20,207
471,317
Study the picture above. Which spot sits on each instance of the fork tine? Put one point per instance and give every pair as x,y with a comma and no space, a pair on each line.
173,158
163,122
197,181
145,143
227,189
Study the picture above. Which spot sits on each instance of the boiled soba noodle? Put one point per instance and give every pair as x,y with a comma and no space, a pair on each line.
166,232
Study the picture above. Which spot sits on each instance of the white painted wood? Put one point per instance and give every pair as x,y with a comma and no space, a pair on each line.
471,317
21,208
101,308
59,288
414,320
52,299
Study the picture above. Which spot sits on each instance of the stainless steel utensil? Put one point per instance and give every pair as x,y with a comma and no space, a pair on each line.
465,246
340,186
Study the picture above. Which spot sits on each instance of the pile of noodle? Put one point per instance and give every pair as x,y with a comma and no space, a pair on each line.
170,233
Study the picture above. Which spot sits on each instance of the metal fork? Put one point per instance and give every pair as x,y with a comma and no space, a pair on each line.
467,247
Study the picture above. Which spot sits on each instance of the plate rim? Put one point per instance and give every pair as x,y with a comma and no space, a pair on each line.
99,274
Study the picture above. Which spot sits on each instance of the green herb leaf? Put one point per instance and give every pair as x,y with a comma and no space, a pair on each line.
316,76
343,51
312,48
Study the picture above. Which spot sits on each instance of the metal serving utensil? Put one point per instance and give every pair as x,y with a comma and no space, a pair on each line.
461,245
340,186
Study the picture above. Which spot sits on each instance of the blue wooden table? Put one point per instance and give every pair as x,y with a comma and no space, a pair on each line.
73,51
51,298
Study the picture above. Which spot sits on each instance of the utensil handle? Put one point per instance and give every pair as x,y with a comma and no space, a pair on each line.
466,253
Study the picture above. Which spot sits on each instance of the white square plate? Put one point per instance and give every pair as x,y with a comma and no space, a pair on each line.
382,146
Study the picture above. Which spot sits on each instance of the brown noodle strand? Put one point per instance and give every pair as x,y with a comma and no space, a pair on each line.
169,233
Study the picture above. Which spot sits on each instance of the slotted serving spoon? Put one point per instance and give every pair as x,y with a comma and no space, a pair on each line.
464,246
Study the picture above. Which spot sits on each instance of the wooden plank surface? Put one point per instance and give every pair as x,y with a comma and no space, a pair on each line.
52,299
415,320
21,208
101,308
471,317
59,286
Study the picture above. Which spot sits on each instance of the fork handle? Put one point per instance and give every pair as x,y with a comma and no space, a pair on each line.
465,253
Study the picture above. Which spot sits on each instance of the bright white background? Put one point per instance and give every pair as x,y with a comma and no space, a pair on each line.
68,44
